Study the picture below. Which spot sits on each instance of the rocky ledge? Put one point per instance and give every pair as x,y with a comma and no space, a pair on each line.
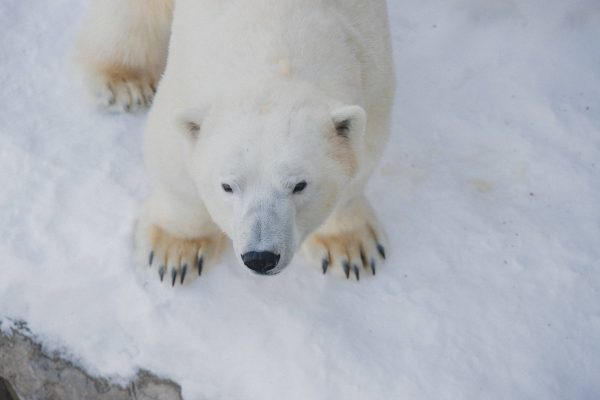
28,373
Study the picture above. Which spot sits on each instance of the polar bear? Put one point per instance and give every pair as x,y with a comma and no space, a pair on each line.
268,118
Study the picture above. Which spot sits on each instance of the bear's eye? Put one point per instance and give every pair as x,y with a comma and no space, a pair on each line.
299,187
227,188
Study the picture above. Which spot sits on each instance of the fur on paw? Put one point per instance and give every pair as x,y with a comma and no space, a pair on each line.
122,89
347,253
180,260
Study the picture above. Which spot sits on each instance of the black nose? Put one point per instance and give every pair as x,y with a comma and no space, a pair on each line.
260,261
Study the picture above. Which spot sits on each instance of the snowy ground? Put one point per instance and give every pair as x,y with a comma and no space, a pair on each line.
490,193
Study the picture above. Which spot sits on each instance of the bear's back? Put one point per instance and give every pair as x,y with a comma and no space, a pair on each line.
341,47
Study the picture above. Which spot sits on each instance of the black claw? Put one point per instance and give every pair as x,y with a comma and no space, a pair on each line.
200,265
346,266
112,99
363,258
381,250
356,273
183,272
324,265
373,266
151,258
173,276
161,272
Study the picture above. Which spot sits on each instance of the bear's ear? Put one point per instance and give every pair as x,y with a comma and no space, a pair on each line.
190,122
349,121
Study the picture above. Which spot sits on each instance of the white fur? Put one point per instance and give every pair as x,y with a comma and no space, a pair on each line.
122,51
250,97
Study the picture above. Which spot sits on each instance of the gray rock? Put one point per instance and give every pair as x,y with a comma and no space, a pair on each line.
31,374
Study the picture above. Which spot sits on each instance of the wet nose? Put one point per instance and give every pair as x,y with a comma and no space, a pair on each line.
260,261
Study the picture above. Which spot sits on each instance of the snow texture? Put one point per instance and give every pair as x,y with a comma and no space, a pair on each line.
489,191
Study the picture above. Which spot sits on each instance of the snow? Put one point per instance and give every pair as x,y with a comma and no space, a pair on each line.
489,191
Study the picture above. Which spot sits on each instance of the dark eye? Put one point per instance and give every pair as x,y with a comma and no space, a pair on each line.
299,187
227,188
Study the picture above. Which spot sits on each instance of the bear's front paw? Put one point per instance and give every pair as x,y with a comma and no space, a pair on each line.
180,259
121,89
347,252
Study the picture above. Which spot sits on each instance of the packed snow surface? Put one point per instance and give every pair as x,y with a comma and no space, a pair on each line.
489,191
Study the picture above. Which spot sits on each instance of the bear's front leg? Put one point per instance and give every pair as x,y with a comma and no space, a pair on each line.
176,239
351,240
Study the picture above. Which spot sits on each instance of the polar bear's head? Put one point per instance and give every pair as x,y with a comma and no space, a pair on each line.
269,175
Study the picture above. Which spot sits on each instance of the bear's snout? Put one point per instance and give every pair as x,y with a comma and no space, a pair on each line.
262,262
